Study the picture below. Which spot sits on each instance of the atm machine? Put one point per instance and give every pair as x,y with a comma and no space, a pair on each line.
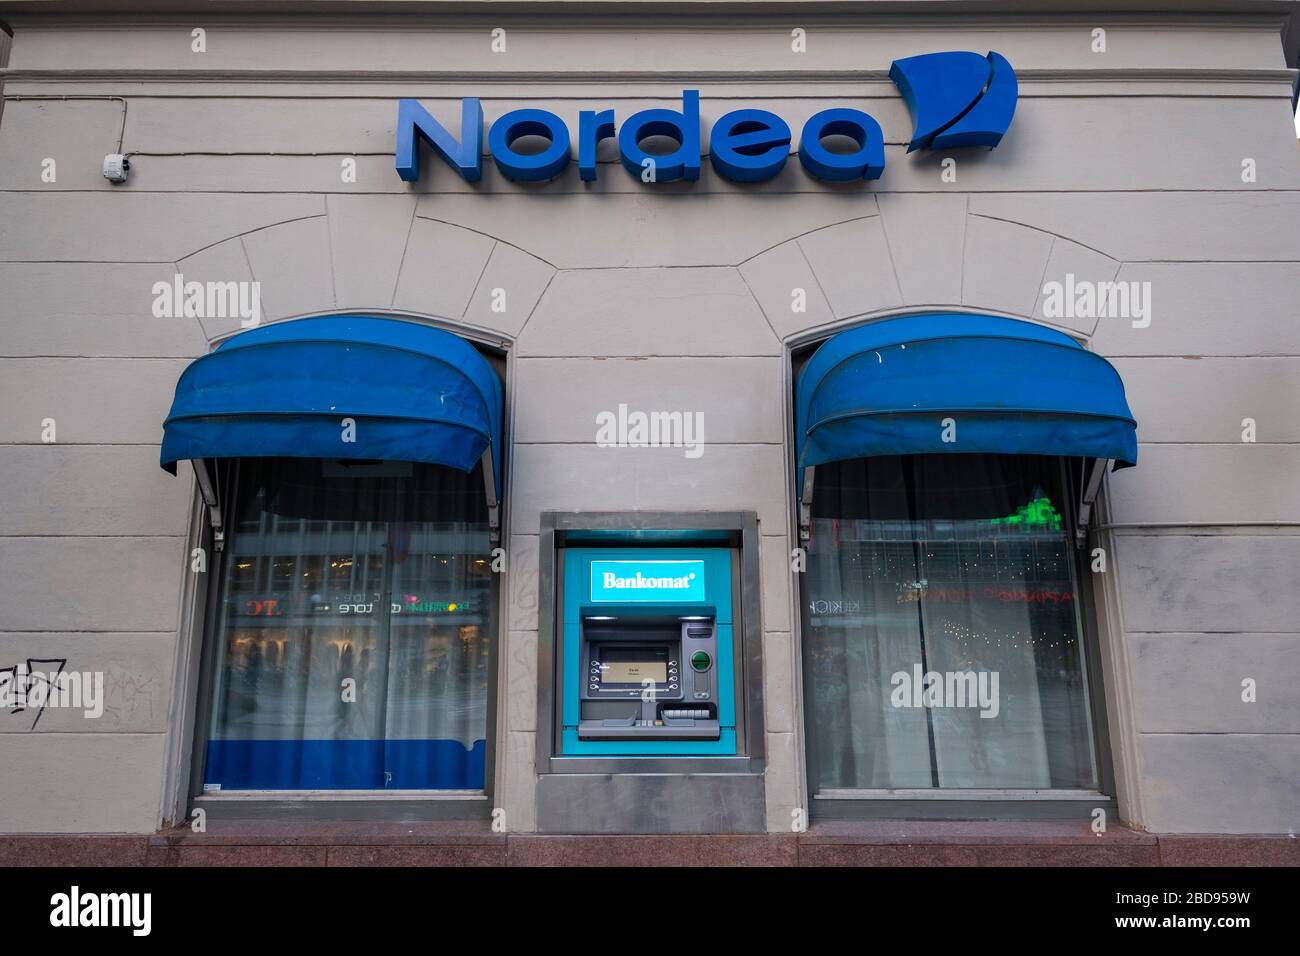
648,656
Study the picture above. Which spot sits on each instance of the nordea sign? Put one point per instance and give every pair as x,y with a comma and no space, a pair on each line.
956,99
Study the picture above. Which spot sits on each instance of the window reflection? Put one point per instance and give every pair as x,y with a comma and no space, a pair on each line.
942,629
355,629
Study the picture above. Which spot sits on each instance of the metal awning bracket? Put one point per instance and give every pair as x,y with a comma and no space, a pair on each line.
490,489
208,490
805,505
1092,479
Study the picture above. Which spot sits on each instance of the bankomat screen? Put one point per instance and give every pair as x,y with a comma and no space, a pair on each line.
633,665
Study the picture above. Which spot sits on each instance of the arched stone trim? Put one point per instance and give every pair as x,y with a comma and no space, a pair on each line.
920,252
374,254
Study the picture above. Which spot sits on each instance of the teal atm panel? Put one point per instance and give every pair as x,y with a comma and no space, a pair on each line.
648,653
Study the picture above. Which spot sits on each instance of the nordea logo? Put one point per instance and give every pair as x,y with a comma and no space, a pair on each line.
956,99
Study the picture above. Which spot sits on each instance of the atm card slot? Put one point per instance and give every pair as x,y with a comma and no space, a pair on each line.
702,730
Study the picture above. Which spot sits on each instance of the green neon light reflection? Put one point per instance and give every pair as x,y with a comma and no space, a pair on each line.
1038,513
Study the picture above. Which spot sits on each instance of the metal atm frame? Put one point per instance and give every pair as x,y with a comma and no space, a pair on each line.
735,533
603,790
627,685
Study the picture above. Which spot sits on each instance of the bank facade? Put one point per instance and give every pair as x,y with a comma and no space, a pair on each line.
868,422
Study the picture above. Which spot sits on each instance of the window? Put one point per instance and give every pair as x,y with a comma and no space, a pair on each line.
943,647
355,629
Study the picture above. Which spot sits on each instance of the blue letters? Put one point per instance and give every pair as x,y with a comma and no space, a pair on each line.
535,167
749,146
681,163
866,162
413,121
956,99
592,128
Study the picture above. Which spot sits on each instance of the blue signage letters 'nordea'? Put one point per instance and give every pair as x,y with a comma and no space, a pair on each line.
956,99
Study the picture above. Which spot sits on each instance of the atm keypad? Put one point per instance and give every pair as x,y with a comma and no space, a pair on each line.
619,663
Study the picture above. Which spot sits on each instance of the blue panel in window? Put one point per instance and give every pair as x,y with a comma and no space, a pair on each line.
345,764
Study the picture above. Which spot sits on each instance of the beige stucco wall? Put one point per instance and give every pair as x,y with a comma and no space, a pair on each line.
1124,164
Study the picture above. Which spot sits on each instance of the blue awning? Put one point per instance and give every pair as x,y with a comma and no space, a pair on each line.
1011,387
415,393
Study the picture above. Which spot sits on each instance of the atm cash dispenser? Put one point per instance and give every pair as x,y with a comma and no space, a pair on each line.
648,655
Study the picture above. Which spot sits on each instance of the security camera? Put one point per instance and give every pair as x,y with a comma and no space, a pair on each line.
116,167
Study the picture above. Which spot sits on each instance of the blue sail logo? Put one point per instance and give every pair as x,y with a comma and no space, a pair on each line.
956,98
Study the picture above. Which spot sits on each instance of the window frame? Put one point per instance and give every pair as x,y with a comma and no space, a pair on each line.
938,804
326,804
189,708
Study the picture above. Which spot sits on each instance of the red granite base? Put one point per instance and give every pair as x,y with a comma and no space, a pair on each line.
1189,849
881,844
